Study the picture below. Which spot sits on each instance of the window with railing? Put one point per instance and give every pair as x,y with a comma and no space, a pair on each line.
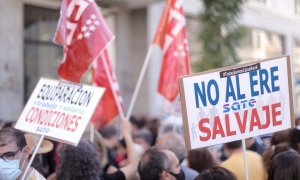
41,55
260,44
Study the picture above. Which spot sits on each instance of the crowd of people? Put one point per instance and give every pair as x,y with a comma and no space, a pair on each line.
147,149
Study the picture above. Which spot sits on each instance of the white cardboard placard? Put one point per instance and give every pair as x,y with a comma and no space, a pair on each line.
237,102
59,110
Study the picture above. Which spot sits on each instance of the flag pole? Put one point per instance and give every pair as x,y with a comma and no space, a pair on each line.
92,131
245,160
120,109
33,156
139,82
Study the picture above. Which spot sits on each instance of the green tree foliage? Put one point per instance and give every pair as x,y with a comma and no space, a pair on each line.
220,35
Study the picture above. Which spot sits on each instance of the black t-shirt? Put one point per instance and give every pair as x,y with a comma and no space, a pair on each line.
111,155
119,175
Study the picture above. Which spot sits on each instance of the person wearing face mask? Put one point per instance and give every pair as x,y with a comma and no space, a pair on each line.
160,164
175,143
14,154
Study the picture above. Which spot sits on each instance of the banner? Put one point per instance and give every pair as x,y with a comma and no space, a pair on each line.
83,33
59,110
171,37
107,108
237,102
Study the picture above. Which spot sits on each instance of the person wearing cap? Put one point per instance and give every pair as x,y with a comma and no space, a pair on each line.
14,155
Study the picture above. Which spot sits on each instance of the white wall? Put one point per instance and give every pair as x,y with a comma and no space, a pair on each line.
11,59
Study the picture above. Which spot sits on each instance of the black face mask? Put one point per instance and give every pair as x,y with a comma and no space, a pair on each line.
179,176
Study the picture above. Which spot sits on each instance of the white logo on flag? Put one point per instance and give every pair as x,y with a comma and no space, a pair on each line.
89,27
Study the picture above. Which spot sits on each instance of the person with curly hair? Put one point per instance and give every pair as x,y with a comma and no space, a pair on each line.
79,162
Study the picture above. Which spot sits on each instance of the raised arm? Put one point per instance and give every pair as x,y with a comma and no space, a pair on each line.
130,170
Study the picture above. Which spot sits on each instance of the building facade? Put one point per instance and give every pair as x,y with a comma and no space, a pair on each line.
27,51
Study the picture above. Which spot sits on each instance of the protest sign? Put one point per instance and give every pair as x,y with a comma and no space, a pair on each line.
237,102
59,110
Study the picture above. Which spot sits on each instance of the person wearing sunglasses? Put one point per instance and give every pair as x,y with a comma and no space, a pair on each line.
14,154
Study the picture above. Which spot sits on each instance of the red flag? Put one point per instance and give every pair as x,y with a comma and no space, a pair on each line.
171,36
107,108
83,33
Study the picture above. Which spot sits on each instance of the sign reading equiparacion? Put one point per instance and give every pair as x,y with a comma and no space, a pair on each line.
59,110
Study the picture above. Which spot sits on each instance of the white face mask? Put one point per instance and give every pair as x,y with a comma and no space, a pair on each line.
10,170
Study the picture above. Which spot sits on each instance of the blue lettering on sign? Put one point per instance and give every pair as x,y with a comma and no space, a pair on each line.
263,78
239,95
216,100
42,129
230,92
199,93
238,105
253,82
203,96
274,78
261,82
